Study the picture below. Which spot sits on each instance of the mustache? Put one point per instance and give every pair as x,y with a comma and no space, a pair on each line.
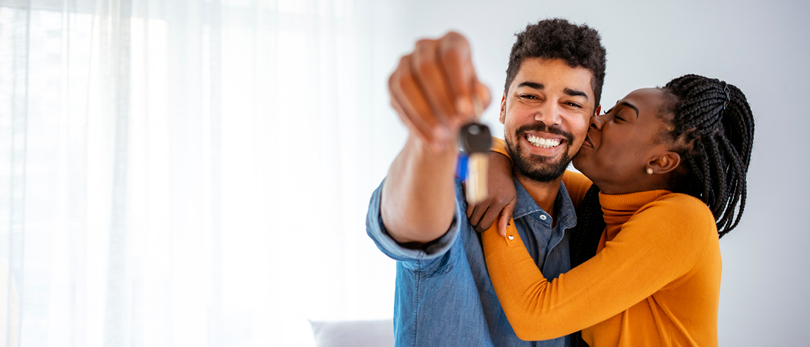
540,126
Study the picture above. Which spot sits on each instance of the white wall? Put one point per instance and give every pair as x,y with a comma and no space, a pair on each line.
761,48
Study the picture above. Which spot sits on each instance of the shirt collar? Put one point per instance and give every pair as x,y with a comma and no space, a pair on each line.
526,205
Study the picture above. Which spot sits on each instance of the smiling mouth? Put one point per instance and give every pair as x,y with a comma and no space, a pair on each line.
543,142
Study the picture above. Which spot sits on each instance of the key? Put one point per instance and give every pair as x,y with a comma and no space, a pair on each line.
475,140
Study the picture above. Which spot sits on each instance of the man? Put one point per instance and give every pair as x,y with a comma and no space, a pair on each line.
444,296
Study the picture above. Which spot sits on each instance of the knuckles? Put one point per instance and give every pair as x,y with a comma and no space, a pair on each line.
402,76
424,54
453,38
425,66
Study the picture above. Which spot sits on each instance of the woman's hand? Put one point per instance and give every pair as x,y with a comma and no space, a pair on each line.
501,198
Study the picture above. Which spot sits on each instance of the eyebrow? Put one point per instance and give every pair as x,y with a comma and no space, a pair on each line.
533,85
625,103
573,92
567,91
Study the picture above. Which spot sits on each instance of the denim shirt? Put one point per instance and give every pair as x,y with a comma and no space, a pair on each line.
444,296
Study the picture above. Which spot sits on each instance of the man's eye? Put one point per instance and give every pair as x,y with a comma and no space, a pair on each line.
574,104
527,96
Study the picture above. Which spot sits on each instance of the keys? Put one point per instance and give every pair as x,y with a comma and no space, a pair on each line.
475,140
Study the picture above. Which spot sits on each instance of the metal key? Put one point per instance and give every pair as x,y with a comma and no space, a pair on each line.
475,140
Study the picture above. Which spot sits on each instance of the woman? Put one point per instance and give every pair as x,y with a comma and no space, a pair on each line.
671,165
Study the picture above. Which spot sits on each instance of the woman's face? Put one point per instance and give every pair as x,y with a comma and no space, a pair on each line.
625,141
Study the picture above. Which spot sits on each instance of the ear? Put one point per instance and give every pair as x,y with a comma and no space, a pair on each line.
502,117
598,110
665,163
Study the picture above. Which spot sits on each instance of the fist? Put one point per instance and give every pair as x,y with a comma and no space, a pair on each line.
435,90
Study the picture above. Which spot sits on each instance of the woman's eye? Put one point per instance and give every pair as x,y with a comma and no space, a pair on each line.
606,112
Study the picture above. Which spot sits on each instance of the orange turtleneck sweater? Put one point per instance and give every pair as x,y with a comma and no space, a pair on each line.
655,280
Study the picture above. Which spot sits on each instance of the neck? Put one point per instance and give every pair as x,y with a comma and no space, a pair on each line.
543,193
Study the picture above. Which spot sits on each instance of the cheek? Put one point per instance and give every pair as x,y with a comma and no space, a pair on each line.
582,123
519,112
578,126
515,116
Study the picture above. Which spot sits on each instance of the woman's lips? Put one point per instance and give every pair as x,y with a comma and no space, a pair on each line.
587,142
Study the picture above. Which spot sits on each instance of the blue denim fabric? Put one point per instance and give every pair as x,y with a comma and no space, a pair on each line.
444,296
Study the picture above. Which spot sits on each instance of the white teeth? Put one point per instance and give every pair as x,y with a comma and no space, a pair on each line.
541,142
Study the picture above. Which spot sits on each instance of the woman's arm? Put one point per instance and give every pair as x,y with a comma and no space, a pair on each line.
660,244
501,199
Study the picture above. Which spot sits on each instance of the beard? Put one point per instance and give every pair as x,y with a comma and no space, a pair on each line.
535,167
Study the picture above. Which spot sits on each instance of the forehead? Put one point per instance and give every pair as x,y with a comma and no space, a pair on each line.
554,74
647,100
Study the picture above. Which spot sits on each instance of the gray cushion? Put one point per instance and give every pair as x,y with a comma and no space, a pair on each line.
370,333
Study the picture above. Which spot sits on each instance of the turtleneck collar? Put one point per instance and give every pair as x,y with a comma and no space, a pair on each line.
618,208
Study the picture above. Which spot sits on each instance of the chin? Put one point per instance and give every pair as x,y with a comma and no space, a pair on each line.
583,165
541,169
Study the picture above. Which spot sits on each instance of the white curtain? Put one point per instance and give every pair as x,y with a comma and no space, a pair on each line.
185,173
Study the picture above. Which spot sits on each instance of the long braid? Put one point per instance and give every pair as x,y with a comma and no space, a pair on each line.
590,224
716,122
585,238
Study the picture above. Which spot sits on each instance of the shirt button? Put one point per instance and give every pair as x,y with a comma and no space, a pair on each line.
510,237
543,217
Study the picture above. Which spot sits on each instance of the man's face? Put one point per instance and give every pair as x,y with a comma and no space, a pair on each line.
545,114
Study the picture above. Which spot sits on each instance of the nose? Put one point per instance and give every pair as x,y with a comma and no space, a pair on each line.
549,113
597,121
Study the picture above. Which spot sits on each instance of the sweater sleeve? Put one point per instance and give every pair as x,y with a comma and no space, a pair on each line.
660,244
499,146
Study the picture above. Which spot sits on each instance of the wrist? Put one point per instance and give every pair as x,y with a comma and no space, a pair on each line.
434,149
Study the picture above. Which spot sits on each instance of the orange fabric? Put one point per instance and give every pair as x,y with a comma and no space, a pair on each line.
576,183
499,146
655,280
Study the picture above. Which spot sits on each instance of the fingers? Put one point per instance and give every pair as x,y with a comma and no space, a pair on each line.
434,89
489,218
432,81
411,104
506,216
483,94
476,215
455,56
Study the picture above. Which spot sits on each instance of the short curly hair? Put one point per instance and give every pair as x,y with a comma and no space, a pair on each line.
557,38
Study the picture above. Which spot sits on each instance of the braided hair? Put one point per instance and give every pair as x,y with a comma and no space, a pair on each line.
585,238
713,122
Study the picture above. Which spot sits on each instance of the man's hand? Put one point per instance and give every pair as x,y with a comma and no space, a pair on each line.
432,90
434,87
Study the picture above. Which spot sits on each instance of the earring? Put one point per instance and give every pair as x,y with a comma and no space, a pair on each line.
649,171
